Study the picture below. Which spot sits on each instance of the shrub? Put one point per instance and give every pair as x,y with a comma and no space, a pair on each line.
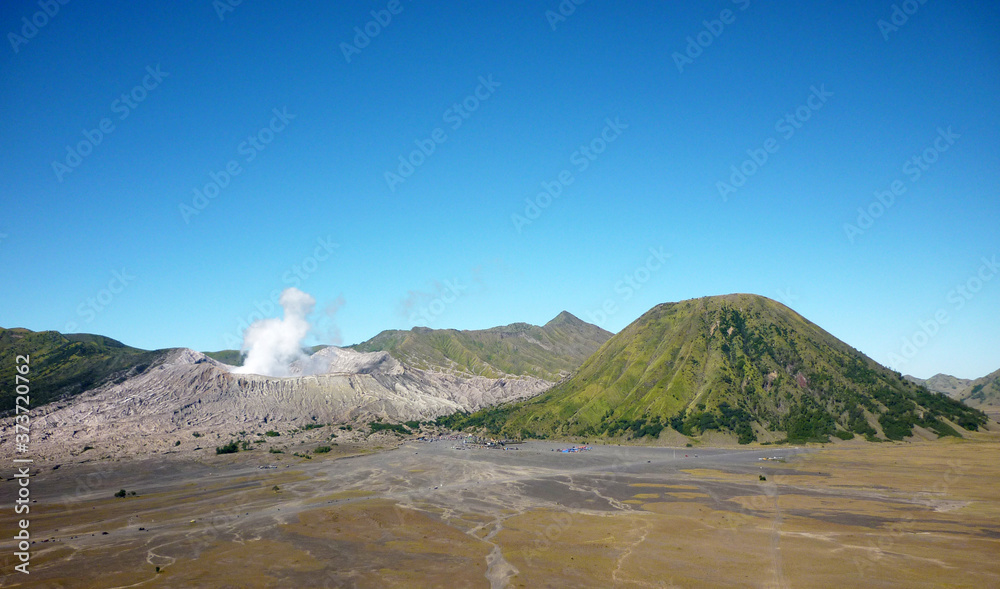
394,427
121,493
271,434
860,425
230,448
322,449
739,421
808,422
896,425
491,419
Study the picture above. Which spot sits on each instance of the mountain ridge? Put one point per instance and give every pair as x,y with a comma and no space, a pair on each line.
740,365
185,395
943,383
549,352
71,364
737,363
63,365
178,395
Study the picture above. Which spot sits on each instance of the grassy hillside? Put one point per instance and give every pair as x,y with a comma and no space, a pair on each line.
64,365
737,363
549,352
231,357
983,391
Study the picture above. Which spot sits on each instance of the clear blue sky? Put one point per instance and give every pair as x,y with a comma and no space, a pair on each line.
864,100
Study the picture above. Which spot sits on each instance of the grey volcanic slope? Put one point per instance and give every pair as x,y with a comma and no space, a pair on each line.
187,392
549,352
140,402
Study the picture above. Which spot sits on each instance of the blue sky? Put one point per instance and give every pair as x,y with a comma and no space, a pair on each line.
114,118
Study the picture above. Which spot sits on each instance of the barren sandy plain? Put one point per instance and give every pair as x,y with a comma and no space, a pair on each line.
426,514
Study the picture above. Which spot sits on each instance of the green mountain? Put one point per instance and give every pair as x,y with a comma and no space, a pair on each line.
737,363
231,357
943,383
65,365
549,352
983,391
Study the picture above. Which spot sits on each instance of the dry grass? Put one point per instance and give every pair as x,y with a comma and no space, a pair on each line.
913,515
867,515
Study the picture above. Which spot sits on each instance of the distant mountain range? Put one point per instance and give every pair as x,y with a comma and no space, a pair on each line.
127,401
550,352
741,364
982,392
738,366
943,383
64,365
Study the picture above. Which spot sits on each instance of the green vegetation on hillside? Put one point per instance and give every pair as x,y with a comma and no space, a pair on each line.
66,365
549,352
742,364
230,357
231,448
392,427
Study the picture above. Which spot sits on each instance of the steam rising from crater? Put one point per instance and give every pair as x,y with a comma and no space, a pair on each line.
272,345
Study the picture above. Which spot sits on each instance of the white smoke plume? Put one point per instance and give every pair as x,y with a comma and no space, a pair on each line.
271,345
